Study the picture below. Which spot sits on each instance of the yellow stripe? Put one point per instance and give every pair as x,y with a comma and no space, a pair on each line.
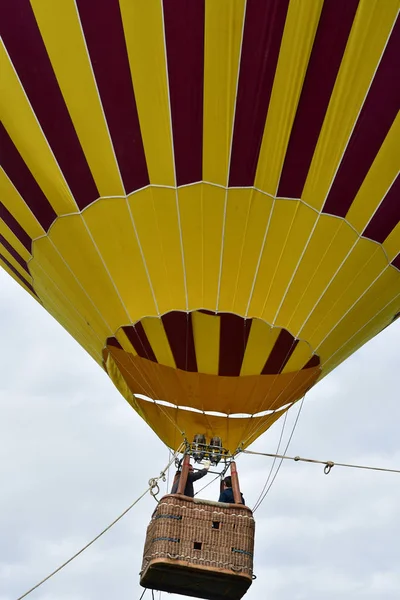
157,337
364,264
280,224
17,207
298,37
125,342
14,241
15,264
260,207
379,178
383,291
24,130
213,217
300,357
364,48
110,224
379,322
223,33
11,274
206,332
59,287
62,35
261,340
392,243
190,207
156,219
286,264
144,33
331,241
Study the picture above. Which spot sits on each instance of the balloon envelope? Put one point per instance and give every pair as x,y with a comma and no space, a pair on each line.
205,194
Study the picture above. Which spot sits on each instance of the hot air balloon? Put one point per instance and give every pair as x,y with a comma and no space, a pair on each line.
205,194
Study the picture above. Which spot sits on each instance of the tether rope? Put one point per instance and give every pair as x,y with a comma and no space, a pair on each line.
152,483
328,463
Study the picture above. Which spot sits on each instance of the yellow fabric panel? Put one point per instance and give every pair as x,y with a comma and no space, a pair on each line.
364,264
279,226
261,340
14,241
90,274
256,226
206,332
144,34
62,35
392,243
193,240
156,218
300,357
213,218
298,37
331,241
168,422
365,333
378,180
157,337
125,343
11,274
110,224
223,36
58,288
287,262
29,140
15,204
14,263
365,45
385,289
236,229
118,380
229,395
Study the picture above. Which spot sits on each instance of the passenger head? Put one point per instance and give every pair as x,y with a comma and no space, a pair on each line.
228,482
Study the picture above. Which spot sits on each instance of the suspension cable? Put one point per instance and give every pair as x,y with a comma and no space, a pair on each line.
327,463
152,484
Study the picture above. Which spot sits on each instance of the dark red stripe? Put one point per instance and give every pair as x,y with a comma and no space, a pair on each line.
17,274
281,352
387,216
15,227
112,341
184,35
313,362
234,333
179,329
138,338
377,115
14,253
24,182
263,30
396,261
329,45
24,43
105,39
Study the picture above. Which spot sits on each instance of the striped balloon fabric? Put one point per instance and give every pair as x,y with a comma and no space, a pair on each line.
205,193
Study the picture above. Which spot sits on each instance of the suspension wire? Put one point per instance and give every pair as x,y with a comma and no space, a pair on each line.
152,483
143,593
328,463
281,461
273,462
209,483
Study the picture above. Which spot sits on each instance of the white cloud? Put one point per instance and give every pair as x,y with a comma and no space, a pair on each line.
74,455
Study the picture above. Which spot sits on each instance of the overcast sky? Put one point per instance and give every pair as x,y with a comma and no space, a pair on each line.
74,455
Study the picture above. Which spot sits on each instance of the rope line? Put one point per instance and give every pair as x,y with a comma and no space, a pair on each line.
328,463
280,464
151,483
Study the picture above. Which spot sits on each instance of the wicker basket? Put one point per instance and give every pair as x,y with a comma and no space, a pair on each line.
199,548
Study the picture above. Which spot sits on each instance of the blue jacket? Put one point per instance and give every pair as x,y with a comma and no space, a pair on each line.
227,496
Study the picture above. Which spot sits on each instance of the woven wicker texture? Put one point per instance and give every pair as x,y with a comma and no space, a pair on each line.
214,535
